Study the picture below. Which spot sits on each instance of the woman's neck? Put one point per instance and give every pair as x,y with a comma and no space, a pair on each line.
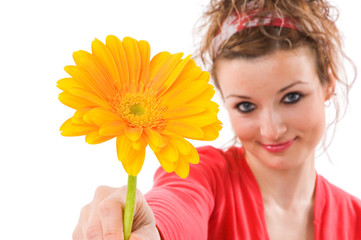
287,188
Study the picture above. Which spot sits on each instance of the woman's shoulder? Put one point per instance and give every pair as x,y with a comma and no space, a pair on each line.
337,213
220,159
337,198
210,153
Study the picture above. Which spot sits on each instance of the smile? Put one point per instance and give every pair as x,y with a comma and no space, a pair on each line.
280,147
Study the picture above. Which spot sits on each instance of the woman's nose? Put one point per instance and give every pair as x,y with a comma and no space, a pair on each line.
272,125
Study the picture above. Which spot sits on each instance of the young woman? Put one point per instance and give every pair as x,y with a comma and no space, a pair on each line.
276,63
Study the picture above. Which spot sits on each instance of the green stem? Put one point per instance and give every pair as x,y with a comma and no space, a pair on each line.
129,206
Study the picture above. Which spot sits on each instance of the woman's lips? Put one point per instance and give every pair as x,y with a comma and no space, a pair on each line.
279,147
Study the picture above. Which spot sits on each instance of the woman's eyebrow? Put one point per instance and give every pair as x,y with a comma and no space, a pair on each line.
280,91
291,85
237,96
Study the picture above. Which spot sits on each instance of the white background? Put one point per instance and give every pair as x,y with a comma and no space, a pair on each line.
45,178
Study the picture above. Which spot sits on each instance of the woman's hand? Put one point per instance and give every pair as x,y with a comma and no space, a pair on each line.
102,219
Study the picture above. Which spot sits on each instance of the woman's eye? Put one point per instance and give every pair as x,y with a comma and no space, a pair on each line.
245,107
292,98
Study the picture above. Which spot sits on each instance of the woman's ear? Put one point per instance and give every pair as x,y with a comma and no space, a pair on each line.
330,88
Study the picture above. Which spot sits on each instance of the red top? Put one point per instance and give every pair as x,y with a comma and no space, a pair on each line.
220,199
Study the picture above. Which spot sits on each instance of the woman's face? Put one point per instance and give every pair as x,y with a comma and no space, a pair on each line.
276,105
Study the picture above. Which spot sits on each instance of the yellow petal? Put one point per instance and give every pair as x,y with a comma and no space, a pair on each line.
74,102
191,72
69,129
218,125
168,152
78,116
168,157
91,98
95,138
182,169
134,133
154,148
211,132
193,92
165,70
183,145
131,158
81,76
200,120
125,149
100,116
213,106
66,83
139,144
174,75
193,156
106,59
133,57
144,50
155,138
205,95
91,65
157,62
133,167
184,111
116,48
184,94
184,129
204,76
113,128
168,166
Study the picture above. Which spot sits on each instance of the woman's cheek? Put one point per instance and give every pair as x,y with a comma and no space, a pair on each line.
244,128
310,116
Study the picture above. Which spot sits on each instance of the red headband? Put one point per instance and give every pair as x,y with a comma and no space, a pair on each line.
236,23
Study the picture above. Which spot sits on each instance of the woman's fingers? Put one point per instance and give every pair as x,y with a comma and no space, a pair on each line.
89,226
111,217
102,219
93,228
109,210
148,232
78,233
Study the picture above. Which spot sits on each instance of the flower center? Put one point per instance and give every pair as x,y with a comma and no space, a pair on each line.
137,109
140,110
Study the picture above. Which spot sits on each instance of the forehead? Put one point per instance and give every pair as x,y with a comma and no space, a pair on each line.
278,68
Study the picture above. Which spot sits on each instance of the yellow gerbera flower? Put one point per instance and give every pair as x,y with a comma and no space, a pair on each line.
117,91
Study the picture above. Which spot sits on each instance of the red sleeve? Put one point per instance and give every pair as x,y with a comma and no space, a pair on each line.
337,213
182,207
